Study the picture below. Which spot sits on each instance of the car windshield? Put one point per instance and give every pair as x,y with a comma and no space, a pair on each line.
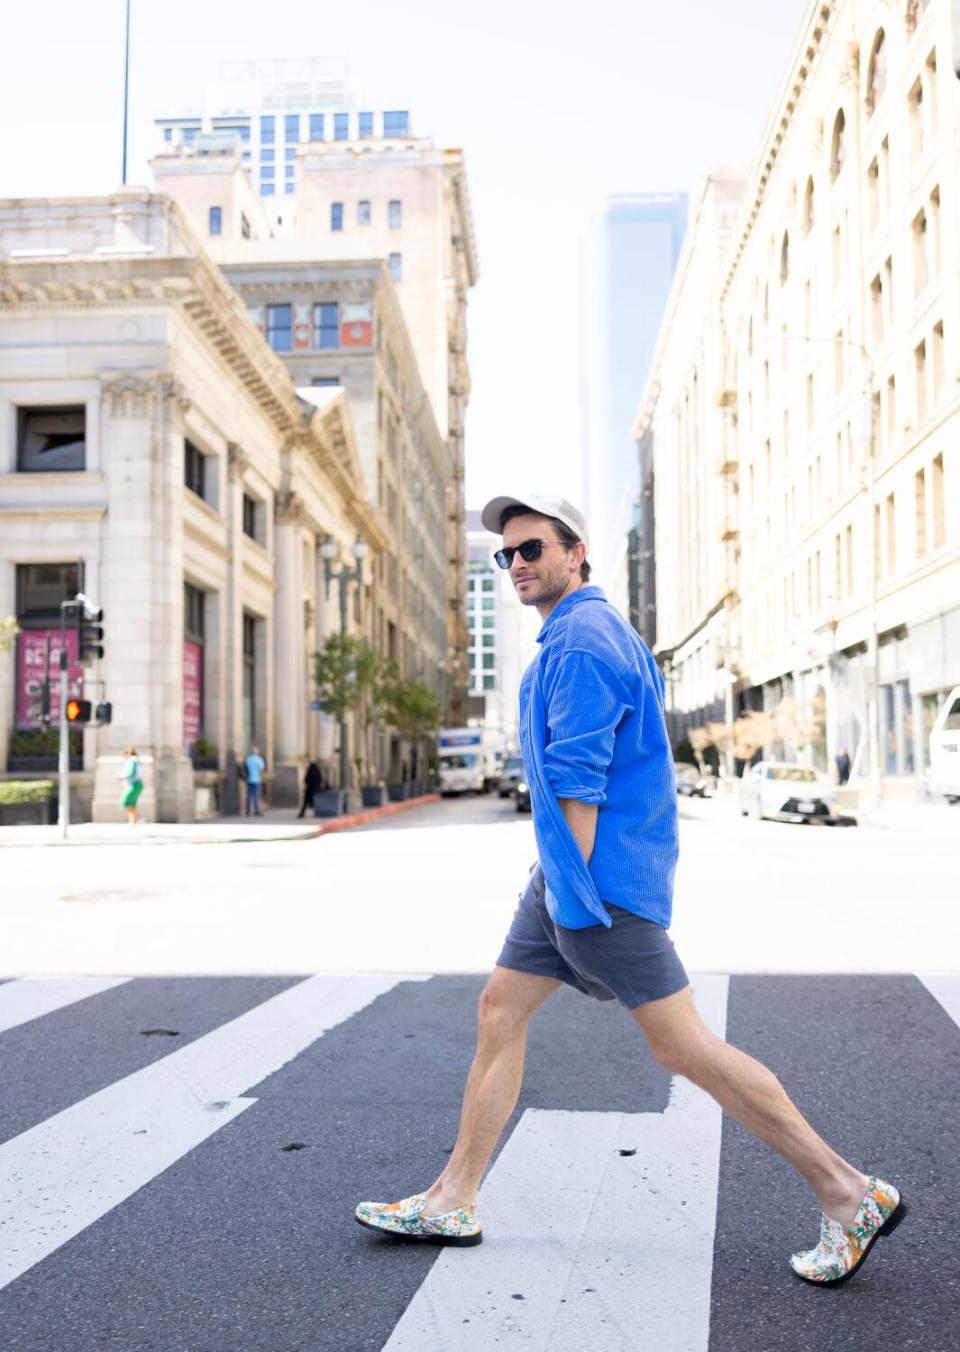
458,762
794,772
952,721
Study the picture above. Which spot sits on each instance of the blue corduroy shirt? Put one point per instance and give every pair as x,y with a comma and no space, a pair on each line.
592,727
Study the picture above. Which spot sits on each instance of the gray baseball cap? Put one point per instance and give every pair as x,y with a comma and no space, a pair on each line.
544,504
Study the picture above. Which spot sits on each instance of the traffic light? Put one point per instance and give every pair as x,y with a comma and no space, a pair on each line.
89,634
103,713
79,712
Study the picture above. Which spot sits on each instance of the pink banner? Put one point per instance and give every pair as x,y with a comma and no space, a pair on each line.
192,692
32,671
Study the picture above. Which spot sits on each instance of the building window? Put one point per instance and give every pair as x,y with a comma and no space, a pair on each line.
915,118
267,131
396,267
51,439
936,496
920,511
891,522
289,186
877,72
366,125
395,215
40,589
267,189
891,408
289,155
363,213
244,226
168,133
341,126
784,258
280,327
326,325
267,157
920,371
288,171
876,308
250,514
873,194
838,144
838,362
215,221
938,366
396,124
316,126
809,208
921,269
194,469
489,681
336,215
291,127
323,382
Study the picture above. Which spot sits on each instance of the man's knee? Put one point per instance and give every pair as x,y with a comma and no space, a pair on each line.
509,999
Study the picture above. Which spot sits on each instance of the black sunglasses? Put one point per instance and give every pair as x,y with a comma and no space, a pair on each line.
529,551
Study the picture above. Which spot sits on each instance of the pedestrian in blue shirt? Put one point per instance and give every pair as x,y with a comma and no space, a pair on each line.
595,910
254,766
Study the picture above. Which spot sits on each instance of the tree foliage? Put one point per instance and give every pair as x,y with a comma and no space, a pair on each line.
9,629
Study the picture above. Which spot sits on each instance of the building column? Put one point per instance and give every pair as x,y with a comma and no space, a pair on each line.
289,694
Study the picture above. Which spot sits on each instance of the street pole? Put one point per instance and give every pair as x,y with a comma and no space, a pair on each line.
343,579
126,92
63,812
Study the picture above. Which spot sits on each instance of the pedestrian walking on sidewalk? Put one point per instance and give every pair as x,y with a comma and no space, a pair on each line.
312,783
254,766
132,785
843,766
596,909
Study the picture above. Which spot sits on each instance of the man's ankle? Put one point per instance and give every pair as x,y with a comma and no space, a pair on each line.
444,1197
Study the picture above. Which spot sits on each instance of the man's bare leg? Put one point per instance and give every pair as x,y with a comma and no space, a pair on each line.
682,1043
508,1002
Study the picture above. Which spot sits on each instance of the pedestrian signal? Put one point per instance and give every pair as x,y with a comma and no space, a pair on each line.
79,711
103,713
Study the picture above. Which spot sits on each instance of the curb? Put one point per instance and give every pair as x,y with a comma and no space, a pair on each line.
361,818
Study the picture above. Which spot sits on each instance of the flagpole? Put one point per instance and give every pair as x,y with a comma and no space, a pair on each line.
126,92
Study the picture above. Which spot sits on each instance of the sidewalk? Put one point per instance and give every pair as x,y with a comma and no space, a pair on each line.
275,824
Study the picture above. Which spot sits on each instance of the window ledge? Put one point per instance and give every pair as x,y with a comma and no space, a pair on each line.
50,477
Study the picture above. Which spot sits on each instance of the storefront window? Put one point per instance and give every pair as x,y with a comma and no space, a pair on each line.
194,624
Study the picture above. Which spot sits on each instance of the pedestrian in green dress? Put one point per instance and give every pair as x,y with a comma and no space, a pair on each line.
130,774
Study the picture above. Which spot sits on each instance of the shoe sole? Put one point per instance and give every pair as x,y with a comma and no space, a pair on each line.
887,1228
449,1241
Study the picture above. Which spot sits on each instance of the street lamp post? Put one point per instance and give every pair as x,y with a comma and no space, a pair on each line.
343,577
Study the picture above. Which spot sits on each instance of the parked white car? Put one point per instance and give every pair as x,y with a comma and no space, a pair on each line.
944,775
787,792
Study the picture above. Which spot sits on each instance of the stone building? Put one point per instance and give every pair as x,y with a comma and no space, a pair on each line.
357,186
838,313
154,452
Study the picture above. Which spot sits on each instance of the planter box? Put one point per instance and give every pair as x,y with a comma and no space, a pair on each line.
328,803
26,814
373,795
39,764
397,793
204,762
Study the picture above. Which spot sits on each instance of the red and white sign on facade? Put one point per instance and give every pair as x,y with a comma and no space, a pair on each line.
192,693
356,326
33,667
302,332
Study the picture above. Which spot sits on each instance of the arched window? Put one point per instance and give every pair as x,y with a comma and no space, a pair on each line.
766,302
750,337
785,257
838,144
809,209
877,71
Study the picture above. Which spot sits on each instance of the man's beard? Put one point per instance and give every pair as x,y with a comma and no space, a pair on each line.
553,588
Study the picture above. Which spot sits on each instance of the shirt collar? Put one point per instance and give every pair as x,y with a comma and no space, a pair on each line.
582,594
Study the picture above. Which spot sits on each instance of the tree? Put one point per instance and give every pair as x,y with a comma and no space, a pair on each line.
750,733
350,677
9,629
412,708
700,739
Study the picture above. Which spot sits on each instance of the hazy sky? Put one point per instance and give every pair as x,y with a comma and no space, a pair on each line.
556,105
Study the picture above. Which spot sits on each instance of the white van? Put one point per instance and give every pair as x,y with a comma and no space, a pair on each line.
944,774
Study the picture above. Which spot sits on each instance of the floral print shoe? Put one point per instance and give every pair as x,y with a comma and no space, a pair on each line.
842,1251
405,1220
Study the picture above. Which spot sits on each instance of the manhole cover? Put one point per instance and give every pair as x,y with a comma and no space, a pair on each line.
122,894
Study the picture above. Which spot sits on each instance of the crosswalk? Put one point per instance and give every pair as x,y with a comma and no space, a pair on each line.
179,1159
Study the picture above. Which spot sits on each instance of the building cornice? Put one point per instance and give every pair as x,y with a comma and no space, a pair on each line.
812,33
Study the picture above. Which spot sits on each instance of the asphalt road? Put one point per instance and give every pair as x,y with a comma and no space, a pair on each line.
246,1240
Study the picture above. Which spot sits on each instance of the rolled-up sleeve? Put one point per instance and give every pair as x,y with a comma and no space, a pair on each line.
585,703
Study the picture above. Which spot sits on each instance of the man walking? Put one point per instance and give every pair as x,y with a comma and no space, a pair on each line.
597,906
255,766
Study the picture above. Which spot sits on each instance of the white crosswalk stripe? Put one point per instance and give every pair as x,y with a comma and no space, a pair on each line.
68,1171
32,997
563,1206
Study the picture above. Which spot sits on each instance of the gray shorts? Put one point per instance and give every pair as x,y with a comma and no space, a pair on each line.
634,961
